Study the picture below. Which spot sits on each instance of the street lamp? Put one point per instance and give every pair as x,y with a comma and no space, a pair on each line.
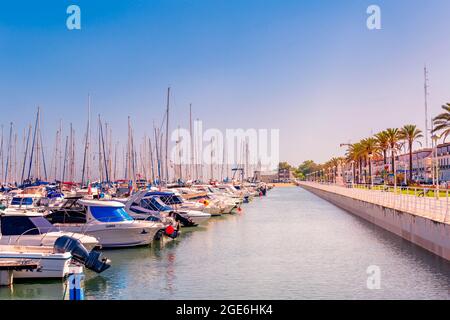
435,139
353,173
334,174
370,170
394,169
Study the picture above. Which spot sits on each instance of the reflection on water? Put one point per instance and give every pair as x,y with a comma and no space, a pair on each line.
288,245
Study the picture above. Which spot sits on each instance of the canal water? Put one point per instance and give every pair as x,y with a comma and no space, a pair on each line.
288,245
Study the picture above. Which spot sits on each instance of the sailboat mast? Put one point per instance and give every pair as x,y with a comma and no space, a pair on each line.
26,153
129,150
60,150
65,159
167,136
104,151
158,161
85,171
151,159
100,166
8,155
115,161
191,146
42,151
33,145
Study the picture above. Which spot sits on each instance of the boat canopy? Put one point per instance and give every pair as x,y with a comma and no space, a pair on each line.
16,225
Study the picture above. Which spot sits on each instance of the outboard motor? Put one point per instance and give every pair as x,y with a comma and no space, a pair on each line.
80,254
184,220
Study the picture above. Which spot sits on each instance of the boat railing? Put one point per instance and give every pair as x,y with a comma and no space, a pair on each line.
23,233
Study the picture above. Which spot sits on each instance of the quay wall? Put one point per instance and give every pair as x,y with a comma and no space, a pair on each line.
429,234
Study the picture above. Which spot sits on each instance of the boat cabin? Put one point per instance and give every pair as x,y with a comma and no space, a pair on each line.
20,224
80,211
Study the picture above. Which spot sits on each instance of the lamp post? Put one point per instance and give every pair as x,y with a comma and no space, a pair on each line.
353,173
334,174
435,140
329,175
395,170
370,170
405,166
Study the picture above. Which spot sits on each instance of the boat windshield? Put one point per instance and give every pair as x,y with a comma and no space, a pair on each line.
17,201
43,224
154,204
172,199
110,214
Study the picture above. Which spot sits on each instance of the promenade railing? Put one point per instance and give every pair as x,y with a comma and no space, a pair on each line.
421,201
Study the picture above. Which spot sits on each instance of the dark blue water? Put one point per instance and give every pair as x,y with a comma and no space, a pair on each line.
288,245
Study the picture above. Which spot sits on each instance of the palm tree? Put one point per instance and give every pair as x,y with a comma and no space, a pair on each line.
383,144
334,164
370,148
394,137
354,153
442,122
410,133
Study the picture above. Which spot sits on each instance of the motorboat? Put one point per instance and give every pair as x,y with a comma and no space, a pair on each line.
232,192
53,261
28,228
145,206
50,264
105,220
200,200
26,202
176,202
226,203
149,208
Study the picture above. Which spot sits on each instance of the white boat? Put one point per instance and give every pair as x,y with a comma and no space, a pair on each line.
54,261
176,202
50,264
105,220
226,203
28,228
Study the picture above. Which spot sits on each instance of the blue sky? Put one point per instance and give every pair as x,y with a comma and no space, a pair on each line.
310,68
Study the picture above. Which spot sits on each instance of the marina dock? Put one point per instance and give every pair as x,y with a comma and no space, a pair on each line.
7,267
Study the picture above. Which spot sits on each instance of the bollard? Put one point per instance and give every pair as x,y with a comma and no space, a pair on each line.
75,283
6,277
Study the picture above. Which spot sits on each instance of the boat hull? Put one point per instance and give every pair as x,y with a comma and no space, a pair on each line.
50,265
116,235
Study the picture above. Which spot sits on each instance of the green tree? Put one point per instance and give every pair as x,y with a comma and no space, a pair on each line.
369,149
284,165
441,122
355,153
383,144
394,137
410,133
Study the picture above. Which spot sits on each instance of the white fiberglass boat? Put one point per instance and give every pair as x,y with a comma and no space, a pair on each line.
105,220
50,264
177,203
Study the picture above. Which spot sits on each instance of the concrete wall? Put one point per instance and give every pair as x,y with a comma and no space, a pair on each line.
430,235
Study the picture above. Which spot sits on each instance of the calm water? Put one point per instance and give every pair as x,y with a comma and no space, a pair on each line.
288,245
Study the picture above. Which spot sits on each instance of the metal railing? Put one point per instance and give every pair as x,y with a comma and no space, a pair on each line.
425,202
